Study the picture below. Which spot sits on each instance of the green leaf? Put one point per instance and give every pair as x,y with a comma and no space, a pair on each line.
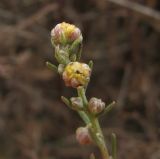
90,64
51,66
107,109
114,146
84,117
76,48
66,101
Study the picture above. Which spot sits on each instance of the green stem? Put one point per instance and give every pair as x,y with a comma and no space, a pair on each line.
100,138
81,93
84,117
96,131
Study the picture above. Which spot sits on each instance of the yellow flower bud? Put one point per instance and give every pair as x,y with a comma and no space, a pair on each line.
76,74
65,33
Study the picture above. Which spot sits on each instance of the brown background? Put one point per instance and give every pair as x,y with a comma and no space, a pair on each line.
122,39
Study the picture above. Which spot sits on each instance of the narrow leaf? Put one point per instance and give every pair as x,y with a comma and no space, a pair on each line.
90,64
84,117
114,146
107,109
51,66
66,101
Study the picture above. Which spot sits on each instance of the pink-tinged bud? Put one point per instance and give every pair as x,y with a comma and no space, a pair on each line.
96,105
77,103
76,74
83,136
65,33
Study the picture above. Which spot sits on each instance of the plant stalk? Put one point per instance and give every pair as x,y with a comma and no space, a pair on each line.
96,131
100,141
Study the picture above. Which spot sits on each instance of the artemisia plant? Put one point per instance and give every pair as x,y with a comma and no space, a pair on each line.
67,42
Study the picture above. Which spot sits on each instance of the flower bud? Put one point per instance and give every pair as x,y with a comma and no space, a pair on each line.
61,68
65,33
96,105
83,136
76,74
77,103
61,55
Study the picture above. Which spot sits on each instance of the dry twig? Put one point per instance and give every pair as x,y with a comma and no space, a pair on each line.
147,13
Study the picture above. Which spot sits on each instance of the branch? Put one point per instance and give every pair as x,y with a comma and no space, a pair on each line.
150,13
37,16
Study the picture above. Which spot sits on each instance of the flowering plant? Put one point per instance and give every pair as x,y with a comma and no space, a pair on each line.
67,41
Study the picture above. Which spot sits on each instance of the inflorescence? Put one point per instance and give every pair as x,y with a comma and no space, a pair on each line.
67,42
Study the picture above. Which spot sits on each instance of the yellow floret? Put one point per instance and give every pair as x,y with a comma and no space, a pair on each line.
77,72
68,28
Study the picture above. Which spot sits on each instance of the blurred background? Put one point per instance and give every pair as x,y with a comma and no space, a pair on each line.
121,37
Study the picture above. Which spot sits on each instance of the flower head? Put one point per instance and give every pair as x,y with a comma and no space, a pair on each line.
76,74
83,136
65,33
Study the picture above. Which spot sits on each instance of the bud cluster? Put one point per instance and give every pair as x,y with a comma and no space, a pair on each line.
67,39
